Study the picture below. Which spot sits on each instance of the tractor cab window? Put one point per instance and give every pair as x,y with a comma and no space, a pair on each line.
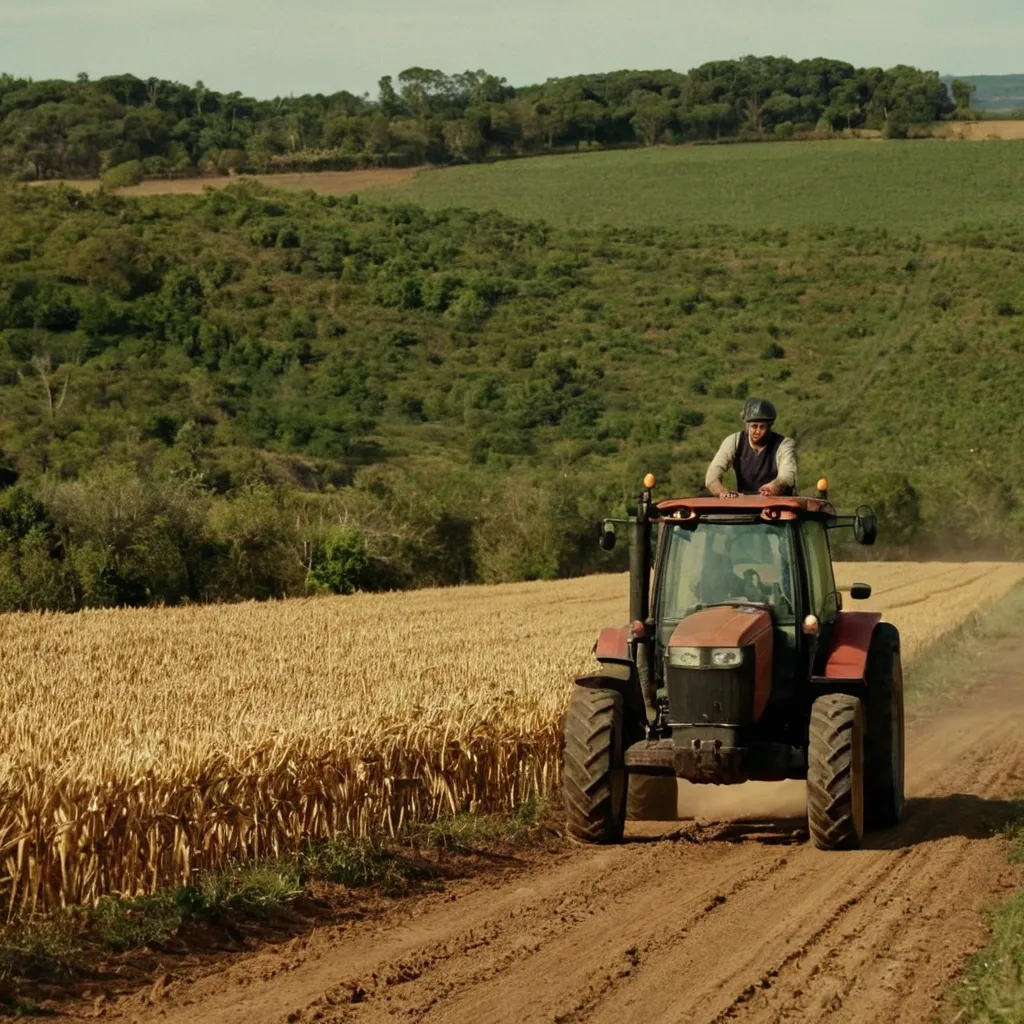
722,563
820,580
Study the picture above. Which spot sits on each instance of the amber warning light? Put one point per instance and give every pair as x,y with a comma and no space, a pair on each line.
649,481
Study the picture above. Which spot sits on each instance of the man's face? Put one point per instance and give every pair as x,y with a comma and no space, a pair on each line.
757,431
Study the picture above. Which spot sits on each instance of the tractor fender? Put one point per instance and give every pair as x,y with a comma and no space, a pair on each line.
851,641
613,645
622,678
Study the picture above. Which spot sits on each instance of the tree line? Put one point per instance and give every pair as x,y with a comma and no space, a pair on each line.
131,127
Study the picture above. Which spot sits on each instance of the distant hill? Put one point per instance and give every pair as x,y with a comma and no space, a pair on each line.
996,94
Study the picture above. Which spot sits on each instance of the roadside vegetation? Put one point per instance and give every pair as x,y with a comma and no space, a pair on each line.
992,989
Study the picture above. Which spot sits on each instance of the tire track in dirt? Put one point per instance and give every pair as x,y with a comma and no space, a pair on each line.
707,922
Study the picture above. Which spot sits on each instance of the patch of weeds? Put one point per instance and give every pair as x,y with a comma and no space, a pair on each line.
466,832
252,889
528,816
1014,832
45,950
355,863
461,833
993,985
992,988
121,924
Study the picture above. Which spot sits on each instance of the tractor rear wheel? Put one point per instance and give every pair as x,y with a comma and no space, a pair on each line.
835,772
594,773
883,755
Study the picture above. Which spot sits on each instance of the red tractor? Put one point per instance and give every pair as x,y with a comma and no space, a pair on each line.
740,663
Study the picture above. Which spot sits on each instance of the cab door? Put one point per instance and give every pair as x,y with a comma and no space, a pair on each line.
822,597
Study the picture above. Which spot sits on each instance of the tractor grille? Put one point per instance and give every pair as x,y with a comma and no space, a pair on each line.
711,696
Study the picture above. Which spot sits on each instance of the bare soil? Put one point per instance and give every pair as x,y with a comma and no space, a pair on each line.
707,920
328,182
979,131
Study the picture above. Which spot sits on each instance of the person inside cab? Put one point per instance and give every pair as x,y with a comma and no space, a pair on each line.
764,461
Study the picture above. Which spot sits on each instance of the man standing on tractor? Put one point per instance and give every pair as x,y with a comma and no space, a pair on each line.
765,462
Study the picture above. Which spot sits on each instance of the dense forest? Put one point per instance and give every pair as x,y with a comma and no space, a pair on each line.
127,127
251,393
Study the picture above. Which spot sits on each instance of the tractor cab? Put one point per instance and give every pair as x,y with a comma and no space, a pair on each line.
737,635
753,575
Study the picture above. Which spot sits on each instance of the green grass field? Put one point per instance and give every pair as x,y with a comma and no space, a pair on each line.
921,186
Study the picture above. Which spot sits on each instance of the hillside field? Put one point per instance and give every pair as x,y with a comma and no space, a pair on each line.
926,186
325,392
137,747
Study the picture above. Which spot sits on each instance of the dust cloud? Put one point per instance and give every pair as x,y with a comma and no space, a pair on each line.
668,799
737,803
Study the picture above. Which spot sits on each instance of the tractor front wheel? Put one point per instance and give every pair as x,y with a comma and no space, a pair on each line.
594,773
835,772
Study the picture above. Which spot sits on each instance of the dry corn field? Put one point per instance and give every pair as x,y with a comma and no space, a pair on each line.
142,746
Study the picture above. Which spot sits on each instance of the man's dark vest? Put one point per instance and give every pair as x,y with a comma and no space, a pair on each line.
755,469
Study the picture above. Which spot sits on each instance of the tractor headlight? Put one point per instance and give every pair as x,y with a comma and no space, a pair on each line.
726,657
684,657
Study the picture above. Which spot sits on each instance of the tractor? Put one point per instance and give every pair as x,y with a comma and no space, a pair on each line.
740,663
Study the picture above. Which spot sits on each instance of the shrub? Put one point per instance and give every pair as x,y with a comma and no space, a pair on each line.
339,562
123,175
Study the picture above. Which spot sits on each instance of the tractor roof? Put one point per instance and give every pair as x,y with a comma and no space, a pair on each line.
788,508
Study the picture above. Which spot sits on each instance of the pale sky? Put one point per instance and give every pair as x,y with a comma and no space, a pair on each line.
267,48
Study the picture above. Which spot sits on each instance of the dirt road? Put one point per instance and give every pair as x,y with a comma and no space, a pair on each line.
695,921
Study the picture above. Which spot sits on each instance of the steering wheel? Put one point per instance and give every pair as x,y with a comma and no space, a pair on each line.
779,597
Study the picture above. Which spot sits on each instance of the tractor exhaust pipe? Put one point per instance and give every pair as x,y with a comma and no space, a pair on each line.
640,593
639,568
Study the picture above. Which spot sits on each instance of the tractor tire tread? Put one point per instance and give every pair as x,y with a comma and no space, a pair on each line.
831,763
588,762
883,788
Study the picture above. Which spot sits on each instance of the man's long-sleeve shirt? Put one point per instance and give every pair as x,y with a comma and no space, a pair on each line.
785,459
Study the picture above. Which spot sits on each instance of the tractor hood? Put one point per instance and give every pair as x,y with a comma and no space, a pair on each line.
731,697
724,626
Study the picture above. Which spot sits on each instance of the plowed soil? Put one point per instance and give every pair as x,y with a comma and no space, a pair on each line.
706,920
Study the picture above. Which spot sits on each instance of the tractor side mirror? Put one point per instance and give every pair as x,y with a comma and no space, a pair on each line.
865,527
860,591
606,536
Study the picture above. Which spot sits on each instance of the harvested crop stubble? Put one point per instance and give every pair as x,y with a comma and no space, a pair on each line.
140,746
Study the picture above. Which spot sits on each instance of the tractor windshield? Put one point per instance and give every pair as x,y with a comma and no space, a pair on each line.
720,563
